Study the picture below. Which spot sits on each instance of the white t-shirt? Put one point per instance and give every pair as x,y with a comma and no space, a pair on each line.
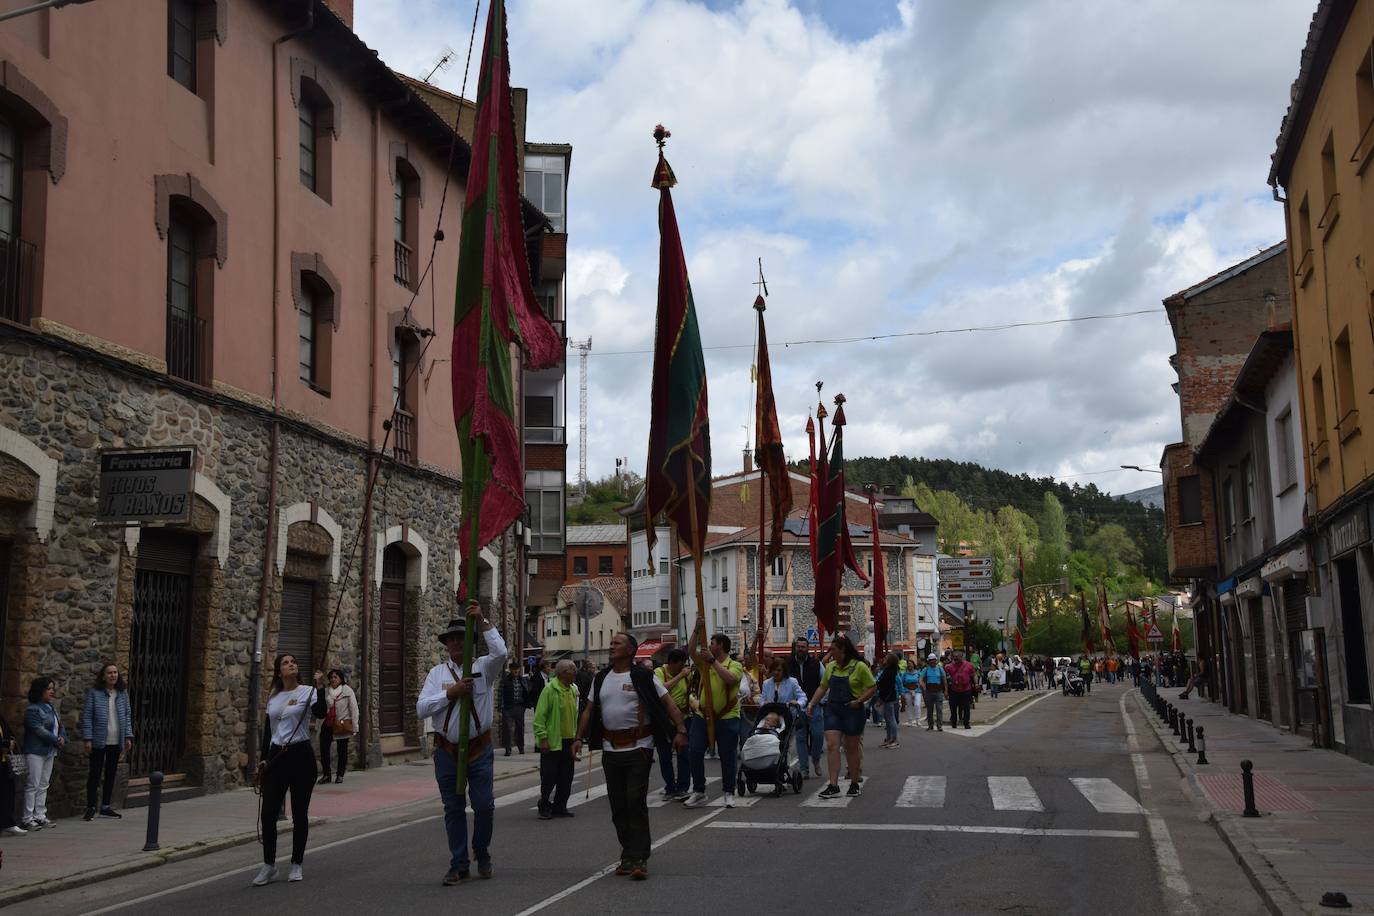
620,707
285,711
111,720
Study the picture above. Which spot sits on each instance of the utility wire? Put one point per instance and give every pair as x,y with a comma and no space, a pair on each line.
922,333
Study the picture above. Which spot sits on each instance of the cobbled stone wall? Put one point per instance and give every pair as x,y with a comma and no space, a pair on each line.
72,593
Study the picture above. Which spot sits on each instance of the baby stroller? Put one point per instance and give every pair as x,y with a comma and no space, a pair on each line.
1072,683
766,756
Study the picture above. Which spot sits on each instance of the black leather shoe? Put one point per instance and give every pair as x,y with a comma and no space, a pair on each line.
89,815
484,869
455,875
107,811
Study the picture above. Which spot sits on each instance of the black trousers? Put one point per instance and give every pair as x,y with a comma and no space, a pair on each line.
556,777
290,768
328,741
960,706
104,761
6,796
513,729
627,789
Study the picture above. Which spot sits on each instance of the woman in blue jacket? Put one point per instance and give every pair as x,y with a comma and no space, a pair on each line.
107,730
44,736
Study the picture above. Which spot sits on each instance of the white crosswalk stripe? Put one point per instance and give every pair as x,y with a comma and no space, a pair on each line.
815,800
1013,793
922,792
741,801
1106,796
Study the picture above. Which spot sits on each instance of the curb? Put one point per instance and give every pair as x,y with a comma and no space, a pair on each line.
1278,899
181,854
1028,696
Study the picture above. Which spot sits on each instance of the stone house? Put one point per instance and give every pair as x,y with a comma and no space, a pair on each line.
278,355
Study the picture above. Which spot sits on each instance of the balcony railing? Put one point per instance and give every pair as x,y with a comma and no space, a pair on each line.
403,436
18,262
188,347
403,261
546,435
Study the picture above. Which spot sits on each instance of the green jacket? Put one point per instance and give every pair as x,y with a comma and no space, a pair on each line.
552,720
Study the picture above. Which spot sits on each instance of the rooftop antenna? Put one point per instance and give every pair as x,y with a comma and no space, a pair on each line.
445,57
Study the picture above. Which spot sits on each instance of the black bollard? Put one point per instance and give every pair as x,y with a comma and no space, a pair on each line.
1192,748
154,811
1201,746
1247,781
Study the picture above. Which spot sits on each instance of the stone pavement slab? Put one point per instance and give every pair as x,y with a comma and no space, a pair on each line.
1316,806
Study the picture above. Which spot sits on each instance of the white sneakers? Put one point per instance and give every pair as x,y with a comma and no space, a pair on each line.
296,873
16,830
729,799
696,801
266,875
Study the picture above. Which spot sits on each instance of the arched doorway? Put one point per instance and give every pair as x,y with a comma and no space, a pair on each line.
391,643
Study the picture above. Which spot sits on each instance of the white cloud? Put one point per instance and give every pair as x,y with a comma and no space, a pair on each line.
979,163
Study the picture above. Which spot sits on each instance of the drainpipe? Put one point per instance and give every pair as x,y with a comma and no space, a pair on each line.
269,546
365,578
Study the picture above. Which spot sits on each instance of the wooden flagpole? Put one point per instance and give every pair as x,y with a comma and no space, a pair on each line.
470,605
697,556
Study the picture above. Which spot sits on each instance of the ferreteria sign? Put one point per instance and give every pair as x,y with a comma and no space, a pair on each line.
139,486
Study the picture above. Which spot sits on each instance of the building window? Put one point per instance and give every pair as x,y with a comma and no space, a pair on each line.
1328,175
664,612
1247,491
315,313
1228,508
544,187
306,117
181,42
11,168
1319,445
1347,576
1364,90
1287,454
405,218
779,616
316,119
544,494
1348,421
605,566
18,258
546,292
579,566
305,311
779,565
405,394
541,410
189,276
1190,500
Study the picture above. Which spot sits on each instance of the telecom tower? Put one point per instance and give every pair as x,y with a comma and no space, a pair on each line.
585,346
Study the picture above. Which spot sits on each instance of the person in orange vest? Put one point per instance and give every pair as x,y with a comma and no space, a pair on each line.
1112,665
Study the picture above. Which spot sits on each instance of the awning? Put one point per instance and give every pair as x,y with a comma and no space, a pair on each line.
1289,564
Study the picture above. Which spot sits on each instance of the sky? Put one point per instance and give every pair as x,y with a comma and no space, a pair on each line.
899,166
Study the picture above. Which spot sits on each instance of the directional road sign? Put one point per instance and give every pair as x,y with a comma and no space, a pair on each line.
976,574
965,594
945,563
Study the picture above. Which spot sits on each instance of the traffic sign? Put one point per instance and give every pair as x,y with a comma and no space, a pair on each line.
965,594
975,574
1153,633
963,563
812,636
956,639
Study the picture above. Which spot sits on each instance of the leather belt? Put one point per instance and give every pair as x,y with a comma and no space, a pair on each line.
475,745
621,738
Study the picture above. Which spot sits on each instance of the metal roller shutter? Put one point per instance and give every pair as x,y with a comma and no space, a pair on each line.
296,634
1295,604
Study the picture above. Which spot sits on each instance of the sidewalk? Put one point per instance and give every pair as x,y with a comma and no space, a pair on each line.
77,852
1316,806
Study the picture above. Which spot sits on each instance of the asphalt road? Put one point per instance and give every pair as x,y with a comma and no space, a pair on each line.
1058,809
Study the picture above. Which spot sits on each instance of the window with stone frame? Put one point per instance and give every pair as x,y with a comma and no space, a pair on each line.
405,220
315,307
195,28
190,290
33,158
317,128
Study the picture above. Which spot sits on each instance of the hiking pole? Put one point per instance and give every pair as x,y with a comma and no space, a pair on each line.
589,773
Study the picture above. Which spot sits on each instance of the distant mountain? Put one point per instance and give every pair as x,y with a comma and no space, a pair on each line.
1150,496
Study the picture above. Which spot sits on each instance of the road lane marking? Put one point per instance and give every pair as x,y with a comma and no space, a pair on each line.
922,792
593,878
1106,796
1013,793
932,828
1166,854
977,731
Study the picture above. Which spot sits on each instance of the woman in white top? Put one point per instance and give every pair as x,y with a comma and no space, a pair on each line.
339,722
288,762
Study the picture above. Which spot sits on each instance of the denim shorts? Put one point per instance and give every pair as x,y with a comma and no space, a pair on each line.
844,719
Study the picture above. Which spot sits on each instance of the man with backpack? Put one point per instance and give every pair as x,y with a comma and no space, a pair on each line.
932,683
962,681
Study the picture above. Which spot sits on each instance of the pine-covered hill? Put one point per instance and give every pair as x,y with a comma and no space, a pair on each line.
1086,508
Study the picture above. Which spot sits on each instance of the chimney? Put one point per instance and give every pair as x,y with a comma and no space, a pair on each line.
343,9
748,461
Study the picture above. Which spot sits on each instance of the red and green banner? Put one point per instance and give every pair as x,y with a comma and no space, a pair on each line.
677,477
1132,632
1177,640
880,618
1104,619
817,474
768,451
834,549
1087,635
1022,617
494,307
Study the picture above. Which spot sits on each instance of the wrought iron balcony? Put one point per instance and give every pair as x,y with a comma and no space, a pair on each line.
18,263
404,261
403,436
188,347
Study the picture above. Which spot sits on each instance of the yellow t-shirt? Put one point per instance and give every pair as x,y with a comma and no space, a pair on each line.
678,691
720,696
859,674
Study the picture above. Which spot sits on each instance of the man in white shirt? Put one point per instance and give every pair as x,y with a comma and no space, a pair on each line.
627,709
440,702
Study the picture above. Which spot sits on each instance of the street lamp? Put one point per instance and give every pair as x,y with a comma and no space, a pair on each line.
1136,467
45,5
1002,628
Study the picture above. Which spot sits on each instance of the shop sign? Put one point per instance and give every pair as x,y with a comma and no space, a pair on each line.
142,486
1347,533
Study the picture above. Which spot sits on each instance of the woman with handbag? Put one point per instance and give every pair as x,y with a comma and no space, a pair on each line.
8,755
288,763
339,723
